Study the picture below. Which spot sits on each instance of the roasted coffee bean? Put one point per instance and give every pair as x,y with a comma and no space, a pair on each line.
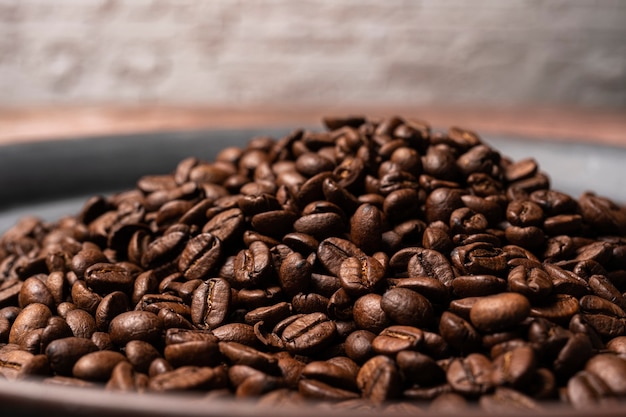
63,353
407,307
200,257
192,353
533,283
369,314
97,366
559,308
306,333
33,316
358,345
210,303
477,285
379,379
479,258
586,390
366,227
319,390
188,378
504,400
34,290
245,355
471,375
140,354
253,265
333,251
499,312
611,370
294,274
360,276
395,339
515,367
135,325
458,333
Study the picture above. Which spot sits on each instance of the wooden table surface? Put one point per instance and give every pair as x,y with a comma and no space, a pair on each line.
558,123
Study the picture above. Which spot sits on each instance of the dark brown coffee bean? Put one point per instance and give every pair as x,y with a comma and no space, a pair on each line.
63,353
515,367
294,274
499,312
394,339
533,283
34,290
612,371
253,265
239,354
200,256
359,276
477,285
188,378
97,366
458,333
192,353
306,333
135,325
111,305
164,249
379,379
226,226
366,227
358,345
559,308
318,390
603,287
210,303
503,400
81,323
274,223
479,258
33,316
586,390
84,298
471,375
140,354
407,307
333,251
368,313
429,263
269,315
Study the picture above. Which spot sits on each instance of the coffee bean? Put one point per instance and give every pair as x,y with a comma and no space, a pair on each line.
33,316
586,390
471,375
64,353
210,303
97,366
306,333
407,307
395,339
333,251
188,378
379,379
503,400
135,325
104,278
515,367
360,276
500,311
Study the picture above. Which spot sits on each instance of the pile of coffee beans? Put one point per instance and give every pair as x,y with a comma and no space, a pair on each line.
376,265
